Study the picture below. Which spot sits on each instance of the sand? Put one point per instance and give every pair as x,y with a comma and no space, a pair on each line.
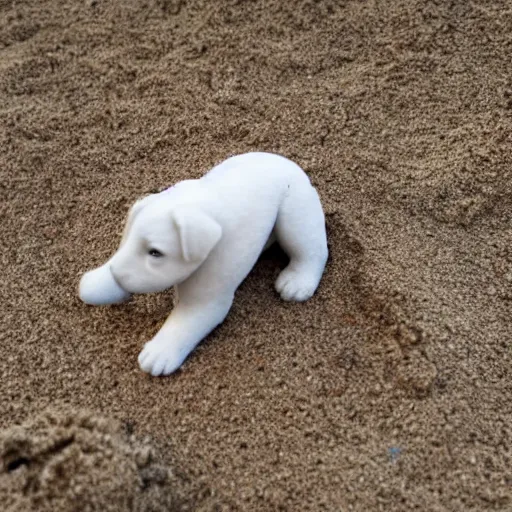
73,460
389,390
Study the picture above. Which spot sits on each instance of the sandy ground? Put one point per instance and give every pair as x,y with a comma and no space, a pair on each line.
389,390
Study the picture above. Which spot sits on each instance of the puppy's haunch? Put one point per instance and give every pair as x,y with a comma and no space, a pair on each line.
204,236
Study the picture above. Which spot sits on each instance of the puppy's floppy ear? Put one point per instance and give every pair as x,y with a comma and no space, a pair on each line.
198,233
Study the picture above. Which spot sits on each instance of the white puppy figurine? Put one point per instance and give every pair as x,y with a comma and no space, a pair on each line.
204,236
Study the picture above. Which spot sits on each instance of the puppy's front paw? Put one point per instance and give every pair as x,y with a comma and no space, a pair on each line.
297,285
160,358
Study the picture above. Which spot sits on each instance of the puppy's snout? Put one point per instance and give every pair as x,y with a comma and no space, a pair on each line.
98,287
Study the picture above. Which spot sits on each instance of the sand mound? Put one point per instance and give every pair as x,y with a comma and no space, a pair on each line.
74,461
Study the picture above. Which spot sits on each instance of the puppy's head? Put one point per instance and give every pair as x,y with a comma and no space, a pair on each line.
162,246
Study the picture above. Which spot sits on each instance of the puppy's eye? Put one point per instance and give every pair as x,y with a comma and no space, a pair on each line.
155,253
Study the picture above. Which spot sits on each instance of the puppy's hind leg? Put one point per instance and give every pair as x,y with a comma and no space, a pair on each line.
300,231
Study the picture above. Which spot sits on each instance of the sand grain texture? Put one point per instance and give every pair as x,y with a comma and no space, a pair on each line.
389,390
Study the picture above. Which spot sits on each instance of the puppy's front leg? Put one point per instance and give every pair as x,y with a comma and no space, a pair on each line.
188,324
